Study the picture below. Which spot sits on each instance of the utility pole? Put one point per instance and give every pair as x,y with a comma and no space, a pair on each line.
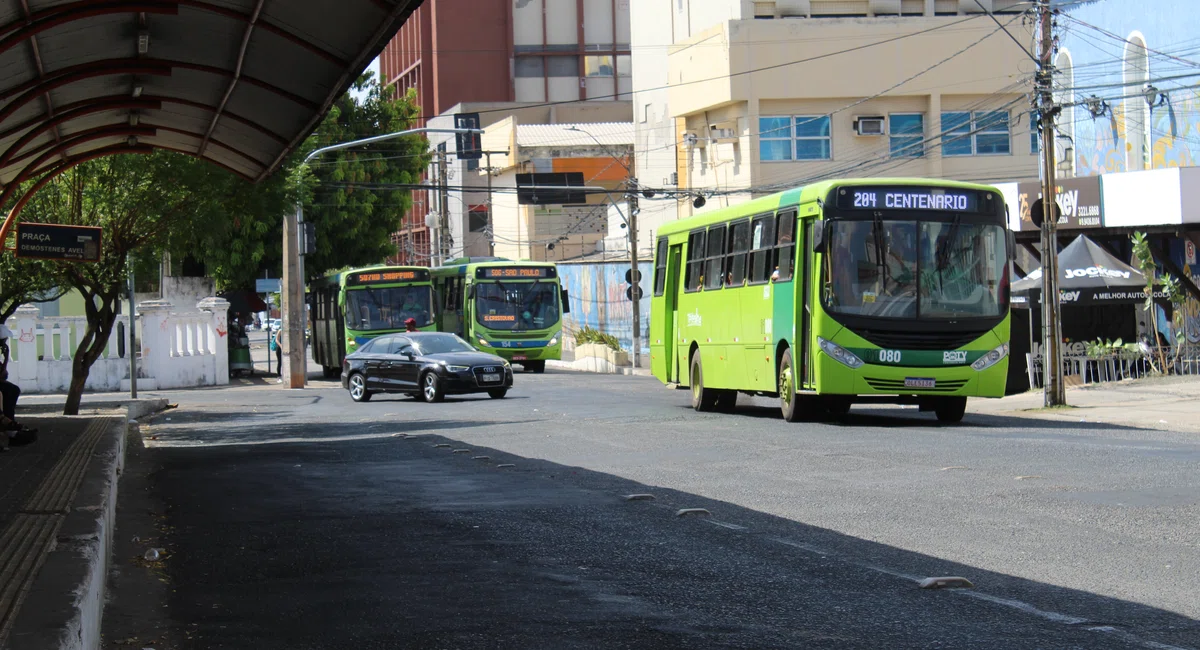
133,344
444,239
1053,388
632,194
491,238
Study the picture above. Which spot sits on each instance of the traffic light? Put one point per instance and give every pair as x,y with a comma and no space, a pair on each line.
634,291
468,146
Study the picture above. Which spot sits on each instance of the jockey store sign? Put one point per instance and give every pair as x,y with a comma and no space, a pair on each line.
1079,199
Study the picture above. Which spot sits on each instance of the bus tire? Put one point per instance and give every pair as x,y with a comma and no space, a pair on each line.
703,399
838,406
537,367
330,373
789,401
951,409
431,388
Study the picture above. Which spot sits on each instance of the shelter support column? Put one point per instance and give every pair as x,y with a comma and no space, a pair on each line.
295,368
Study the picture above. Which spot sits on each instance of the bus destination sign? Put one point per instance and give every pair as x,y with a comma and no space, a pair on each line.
514,272
385,276
908,198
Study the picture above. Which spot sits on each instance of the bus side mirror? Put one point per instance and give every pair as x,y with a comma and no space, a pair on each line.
471,292
1012,245
566,302
818,242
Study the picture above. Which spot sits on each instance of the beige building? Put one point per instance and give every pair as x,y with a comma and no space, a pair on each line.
600,154
769,95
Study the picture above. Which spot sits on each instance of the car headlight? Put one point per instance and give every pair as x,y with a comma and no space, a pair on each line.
485,343
458,368
840,354
506,363
991,358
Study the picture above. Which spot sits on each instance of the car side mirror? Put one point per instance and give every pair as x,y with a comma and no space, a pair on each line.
408,351
566,302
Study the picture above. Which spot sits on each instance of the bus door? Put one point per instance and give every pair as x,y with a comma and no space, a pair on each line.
804,275
671,312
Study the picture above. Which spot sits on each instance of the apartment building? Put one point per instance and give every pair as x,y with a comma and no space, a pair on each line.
522,51
760,96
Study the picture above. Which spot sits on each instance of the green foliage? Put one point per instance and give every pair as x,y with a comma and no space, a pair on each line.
588,335
23,281
1104,347
354,212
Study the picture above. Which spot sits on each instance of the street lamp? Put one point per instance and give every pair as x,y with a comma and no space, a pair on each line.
292,294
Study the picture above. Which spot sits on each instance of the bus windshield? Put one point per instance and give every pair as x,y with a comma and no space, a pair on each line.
916,269
517,305
371,308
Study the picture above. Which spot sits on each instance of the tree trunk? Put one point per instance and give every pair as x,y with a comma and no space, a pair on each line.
91,346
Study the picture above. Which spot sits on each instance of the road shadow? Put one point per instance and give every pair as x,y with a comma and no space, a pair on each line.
471,552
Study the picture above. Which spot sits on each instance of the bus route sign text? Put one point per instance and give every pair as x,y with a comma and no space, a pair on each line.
904,198
514,272
413,275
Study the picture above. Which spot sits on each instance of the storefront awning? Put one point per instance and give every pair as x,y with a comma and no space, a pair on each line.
1088,275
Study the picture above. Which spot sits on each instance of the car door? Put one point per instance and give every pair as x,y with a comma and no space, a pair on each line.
406,364
377,362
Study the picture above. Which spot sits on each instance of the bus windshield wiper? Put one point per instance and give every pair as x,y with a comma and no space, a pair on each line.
880,262
943,254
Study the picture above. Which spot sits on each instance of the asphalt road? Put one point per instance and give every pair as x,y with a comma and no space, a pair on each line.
298,519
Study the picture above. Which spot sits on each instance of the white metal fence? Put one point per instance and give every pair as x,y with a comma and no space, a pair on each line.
1117,366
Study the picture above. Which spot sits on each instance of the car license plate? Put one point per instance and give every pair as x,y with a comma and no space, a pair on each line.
491,377
919,382
519,357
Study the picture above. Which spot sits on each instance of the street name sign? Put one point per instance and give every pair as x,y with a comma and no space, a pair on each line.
52,241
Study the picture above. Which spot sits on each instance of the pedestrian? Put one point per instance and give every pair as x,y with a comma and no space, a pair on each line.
410,325
11,432
277,341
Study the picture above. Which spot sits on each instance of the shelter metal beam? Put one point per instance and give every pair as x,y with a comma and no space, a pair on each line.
66,116
237,75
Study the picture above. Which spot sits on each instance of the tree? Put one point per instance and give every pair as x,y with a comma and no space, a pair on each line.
353,211
24,281
1143,254
136,200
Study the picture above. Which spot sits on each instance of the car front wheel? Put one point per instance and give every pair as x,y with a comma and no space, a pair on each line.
358,388
431,388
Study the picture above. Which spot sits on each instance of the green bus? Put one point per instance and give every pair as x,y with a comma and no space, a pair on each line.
352,307
836,293
511,309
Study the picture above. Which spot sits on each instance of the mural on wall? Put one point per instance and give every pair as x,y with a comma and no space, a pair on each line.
598,300
1184,257
1102,145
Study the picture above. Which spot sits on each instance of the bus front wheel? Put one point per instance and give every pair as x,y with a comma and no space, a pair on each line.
703,399
789,401
536,367
951,409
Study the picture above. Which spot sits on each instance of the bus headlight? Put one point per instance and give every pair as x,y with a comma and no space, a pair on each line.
554,339
485,343
991,358
840,354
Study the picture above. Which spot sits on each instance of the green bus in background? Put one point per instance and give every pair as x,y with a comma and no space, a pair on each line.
840,292
352,307
511,309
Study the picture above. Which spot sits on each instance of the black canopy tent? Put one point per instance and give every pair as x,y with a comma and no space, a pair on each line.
1088,275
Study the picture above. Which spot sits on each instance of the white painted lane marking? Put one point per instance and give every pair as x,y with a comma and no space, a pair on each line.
723,524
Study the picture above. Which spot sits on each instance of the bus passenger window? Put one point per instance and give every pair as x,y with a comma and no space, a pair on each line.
762,243
739,244
660,266
714,266
695,261
785,246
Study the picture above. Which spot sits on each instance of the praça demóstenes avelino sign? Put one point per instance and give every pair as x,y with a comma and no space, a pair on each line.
52,241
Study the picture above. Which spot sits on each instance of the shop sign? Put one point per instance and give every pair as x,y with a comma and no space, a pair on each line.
1079,199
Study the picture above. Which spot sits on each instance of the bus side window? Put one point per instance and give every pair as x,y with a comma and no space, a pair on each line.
713,268
762,245
695,261
785,245
739,245
660,267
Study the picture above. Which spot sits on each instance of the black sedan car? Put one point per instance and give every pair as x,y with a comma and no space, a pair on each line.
427,365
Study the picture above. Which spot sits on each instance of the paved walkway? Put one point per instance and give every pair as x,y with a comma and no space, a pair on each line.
1166,403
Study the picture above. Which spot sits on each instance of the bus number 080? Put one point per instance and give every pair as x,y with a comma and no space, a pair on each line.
889,356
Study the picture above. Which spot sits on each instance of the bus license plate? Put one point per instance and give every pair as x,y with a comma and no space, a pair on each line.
919,382
519,357
490,378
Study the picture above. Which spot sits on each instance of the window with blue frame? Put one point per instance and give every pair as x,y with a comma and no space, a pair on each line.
981,133
906,135
774,138
804,137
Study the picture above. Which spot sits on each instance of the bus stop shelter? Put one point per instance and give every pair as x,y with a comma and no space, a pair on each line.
239,83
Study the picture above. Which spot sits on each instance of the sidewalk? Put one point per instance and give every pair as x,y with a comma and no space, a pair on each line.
57,501
1167,403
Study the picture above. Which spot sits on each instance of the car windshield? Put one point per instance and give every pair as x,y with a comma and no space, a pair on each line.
441,343
387,309
915,269
517,305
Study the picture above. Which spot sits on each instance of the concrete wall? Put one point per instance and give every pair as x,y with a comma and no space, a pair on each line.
655,144
598,300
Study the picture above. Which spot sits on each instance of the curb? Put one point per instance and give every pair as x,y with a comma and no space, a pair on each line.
65,600
616,370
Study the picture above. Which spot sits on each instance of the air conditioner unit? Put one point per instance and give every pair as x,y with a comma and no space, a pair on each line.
870,126
723,135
